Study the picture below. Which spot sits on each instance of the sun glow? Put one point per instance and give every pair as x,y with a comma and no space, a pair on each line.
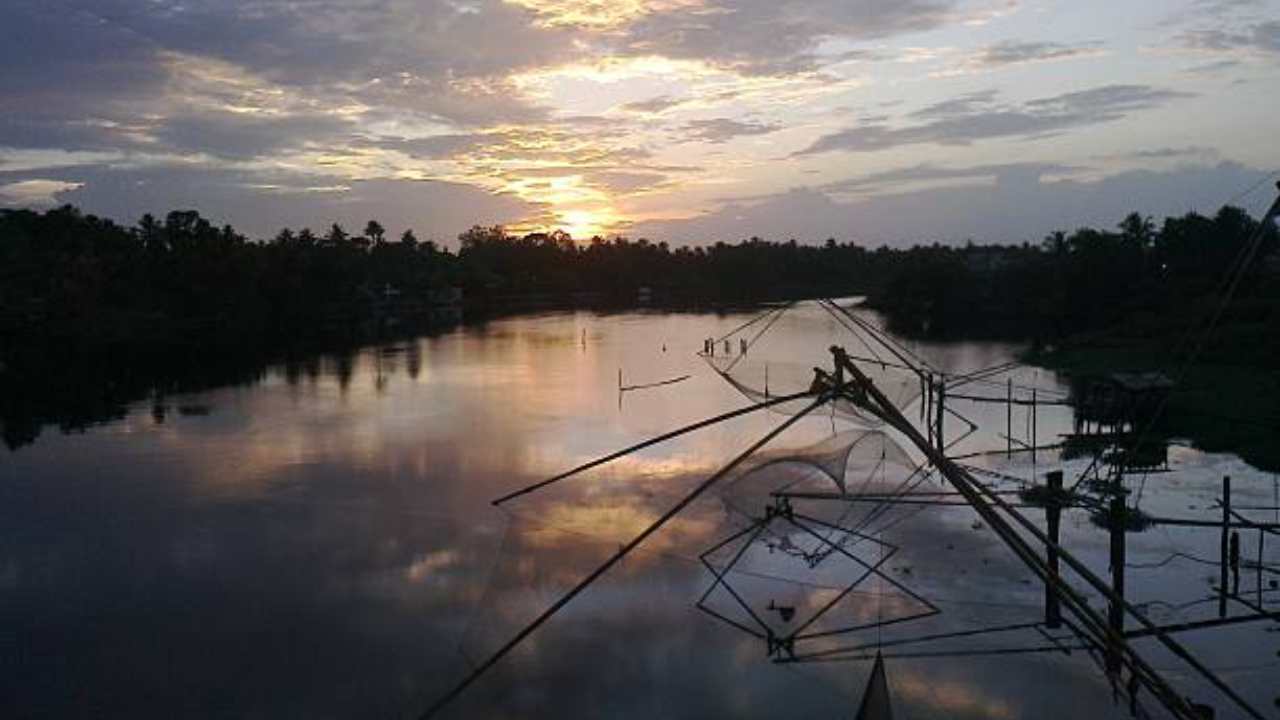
598,14
581,224
584,224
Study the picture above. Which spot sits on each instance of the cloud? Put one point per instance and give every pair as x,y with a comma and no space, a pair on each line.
98,74
432,147
69,80
978,116
622,182
721,130
1171,153
1261,38
1016,208
653,106
1015,53
239,136
260,203
320,43
335,93
1226,6
927,173
775,36
34,193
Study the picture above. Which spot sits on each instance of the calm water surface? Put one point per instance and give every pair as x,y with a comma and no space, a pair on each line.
321,545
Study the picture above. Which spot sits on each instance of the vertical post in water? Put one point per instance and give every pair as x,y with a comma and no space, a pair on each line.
1034,434
1008,422
1262,534
1053,516
1119,509
928,406
1226,532
940,411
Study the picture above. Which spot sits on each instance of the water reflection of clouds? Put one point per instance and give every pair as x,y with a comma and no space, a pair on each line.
314,550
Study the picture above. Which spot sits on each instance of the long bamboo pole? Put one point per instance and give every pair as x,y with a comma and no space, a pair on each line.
617,557
654,441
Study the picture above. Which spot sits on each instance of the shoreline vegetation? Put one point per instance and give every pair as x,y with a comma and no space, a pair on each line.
95,315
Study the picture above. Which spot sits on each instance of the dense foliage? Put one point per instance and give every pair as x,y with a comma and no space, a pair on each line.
63,273
1139,275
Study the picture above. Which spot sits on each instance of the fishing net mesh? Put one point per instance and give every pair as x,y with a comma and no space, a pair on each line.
776,355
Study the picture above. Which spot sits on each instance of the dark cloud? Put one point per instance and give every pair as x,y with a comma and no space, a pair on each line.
428,148
1016,208
653,106
720,130
1227,6
625,182
321,42
47,50
1262,37
776,36
96,74
260,203
978,116
239,136
70,80
966,104
1169,153
1213,68
1012,52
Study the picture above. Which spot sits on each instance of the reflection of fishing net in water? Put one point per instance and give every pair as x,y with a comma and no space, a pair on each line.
850,463
804,562
776,354
816,573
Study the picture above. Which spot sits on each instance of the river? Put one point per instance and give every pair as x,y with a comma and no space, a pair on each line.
321,544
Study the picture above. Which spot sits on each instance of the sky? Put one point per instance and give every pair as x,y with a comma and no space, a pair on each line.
687,121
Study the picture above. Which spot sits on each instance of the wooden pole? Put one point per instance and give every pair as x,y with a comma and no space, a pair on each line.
1261,539
1008,422
928,411
1222,545
654,441
1115,614
616,558
941,411
1053,514
1034,435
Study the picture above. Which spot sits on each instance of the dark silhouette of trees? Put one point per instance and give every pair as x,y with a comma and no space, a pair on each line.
65,273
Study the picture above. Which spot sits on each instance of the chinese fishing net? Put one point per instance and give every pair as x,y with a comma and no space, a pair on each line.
777,352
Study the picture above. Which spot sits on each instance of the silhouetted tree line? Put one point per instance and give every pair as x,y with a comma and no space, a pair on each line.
66,273
1138,279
